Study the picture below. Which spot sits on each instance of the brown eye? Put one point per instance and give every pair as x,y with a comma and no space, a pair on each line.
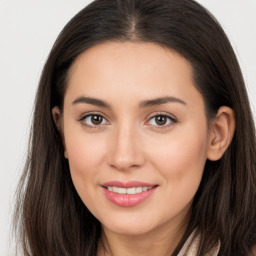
96,119
93,120
161,120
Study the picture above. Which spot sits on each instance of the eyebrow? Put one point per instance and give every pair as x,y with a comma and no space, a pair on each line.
92,101
160,101
143,104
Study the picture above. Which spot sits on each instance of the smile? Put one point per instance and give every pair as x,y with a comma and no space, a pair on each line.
128,191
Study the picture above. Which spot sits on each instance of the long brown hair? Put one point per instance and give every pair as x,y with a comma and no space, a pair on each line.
52,220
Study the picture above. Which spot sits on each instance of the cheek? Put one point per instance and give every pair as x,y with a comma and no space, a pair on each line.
185,155
85,153
180,161
181,158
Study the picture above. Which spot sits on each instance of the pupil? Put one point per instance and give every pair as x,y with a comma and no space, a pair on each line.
96,120
161,120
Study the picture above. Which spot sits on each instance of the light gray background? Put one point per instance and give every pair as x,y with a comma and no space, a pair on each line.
27,31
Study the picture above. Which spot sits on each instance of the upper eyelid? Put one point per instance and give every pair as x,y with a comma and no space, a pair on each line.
81,120
173,121
171,116
148,118
84,115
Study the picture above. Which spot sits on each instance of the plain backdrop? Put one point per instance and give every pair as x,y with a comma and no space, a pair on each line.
28,29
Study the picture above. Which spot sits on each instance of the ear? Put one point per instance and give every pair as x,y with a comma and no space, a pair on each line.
221,133
57,117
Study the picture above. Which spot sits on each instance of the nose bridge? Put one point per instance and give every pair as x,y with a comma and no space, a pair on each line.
125,146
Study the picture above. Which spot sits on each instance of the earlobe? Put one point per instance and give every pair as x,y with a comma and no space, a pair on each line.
221,133
56,114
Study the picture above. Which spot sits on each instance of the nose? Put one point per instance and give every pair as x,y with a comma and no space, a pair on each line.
125,149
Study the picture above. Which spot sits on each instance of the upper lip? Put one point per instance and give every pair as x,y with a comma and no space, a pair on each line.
128,184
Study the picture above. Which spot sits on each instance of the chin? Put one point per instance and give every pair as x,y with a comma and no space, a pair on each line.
129,227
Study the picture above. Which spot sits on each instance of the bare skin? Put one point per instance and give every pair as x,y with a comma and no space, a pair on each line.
132,113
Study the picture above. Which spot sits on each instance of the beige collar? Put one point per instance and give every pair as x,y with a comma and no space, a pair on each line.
189,249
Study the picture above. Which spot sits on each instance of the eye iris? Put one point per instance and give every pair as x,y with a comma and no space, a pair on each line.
96,120
161,120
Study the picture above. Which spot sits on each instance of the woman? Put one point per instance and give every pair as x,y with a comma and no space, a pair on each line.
143,140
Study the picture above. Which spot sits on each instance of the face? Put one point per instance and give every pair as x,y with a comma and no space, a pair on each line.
135,135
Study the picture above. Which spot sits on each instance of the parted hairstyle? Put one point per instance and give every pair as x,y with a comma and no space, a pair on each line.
50,217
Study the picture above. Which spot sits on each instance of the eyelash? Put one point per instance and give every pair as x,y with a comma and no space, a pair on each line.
82,120
171,120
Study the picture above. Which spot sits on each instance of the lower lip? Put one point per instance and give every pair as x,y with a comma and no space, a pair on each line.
128,200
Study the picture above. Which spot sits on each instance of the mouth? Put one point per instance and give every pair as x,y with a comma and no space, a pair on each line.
128,191
128,194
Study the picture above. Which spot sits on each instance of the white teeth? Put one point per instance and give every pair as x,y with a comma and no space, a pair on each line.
144,189
128,191
140,189
115,189
122,190
131,191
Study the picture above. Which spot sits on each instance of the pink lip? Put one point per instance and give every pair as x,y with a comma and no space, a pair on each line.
125,200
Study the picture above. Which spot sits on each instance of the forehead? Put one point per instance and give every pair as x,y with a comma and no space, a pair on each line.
138,70
139,56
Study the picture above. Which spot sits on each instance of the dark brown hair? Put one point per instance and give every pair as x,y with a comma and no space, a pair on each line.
51,218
